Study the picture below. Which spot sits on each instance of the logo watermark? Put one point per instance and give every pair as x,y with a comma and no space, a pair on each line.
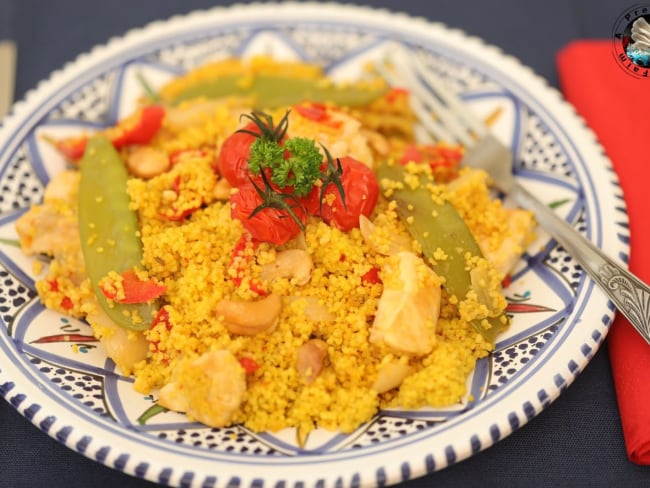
631,41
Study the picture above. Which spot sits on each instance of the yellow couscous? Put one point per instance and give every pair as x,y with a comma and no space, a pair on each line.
320,330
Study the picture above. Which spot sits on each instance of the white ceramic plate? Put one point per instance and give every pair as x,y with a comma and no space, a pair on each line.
68,388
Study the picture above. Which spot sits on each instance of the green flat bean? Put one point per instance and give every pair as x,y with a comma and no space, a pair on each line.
437,225
269,91
108,229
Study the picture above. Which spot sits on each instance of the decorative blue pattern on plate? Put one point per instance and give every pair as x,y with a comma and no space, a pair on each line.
56,374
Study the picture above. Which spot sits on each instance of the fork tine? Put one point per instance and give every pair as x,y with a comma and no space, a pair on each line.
431,103
455,104
432,97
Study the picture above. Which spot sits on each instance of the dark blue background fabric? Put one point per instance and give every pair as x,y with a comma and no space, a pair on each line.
577,441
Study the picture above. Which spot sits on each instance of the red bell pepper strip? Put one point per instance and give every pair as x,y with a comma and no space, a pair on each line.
137,128
395,93
178,215
135,290
73,147
318,113
162,319
443,160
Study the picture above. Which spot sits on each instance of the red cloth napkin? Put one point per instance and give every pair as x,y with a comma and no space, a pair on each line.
616,105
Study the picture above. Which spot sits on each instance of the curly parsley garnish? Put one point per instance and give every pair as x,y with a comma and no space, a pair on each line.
296,163
289,163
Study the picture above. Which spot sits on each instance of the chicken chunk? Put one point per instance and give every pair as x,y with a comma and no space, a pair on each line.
211,390
409,306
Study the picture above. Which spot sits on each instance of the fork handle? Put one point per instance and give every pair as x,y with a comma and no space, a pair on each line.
630,295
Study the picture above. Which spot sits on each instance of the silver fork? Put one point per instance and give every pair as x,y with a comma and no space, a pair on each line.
454,123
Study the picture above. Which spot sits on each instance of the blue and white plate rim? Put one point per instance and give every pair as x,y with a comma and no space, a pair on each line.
527,395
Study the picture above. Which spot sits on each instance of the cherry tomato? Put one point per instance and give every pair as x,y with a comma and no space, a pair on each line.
232,162
274,225
361,191
311,201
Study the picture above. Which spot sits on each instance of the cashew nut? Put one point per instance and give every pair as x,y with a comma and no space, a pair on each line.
311,359
250,317
381,240
291,263
146,162
389,376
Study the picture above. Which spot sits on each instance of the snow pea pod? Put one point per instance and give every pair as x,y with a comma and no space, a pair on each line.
109,229
437,226
271,91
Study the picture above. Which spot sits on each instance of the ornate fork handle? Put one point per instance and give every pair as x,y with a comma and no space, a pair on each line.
630,295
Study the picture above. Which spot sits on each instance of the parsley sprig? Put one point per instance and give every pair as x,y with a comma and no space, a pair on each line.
294,164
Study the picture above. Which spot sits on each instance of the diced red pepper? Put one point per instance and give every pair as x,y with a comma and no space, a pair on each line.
135,290
412,153
66,303
249,364
239,260
161,318
178,215
73,147
137,128
176,184
177,156
318,113
443,160
372,276
507,280
395,93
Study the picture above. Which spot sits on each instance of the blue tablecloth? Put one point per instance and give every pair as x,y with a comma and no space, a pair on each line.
577,441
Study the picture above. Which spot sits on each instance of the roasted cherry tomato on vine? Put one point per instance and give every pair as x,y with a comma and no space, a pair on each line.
267,221
361,191
311,201
232,162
